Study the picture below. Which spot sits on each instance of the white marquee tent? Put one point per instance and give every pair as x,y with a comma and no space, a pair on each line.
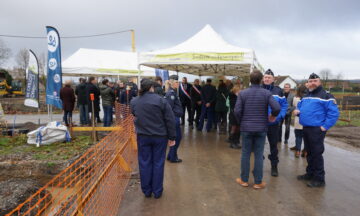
96,62
204,54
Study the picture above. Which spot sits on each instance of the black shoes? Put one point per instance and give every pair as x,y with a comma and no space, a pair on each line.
157,196
274,171
304,177
176,161
316,184
235,146
312,182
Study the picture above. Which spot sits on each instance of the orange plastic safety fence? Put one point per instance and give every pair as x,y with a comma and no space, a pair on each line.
94,184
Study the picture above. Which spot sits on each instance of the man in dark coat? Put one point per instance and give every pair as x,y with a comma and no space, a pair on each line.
252,112
195,94
185,99
92,88
67,97
221,108
208,97
158,86
82,101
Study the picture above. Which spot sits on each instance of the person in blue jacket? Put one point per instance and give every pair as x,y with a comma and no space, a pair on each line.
172,85
317,112
273,127
154,130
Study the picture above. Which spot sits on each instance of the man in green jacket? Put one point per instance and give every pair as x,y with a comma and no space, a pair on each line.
108,98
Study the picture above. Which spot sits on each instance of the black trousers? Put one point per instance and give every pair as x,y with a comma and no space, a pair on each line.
195,111
287,121
186,105
222,120
272,135
314,145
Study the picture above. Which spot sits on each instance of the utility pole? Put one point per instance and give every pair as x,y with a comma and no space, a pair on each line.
133,40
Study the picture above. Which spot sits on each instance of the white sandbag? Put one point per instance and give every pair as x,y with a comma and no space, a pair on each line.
52,132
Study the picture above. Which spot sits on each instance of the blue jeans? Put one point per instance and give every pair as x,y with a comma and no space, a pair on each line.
209,112
298,139
252,141
172,155
84,114
151,156
107,115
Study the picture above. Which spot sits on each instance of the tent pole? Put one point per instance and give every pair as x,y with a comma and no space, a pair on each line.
139,76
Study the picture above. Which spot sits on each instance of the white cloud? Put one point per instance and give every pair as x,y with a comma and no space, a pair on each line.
301,53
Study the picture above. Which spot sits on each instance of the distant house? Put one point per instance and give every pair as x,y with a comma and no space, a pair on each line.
282,80
337,84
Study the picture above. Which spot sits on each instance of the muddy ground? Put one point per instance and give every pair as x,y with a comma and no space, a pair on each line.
346,134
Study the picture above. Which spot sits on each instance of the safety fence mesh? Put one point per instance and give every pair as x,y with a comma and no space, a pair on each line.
94,184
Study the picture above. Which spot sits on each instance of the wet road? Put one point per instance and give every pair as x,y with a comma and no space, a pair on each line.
204,184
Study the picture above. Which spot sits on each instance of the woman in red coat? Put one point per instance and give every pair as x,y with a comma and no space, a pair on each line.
67,96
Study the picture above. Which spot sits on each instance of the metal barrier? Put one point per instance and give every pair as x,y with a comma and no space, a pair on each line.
95,183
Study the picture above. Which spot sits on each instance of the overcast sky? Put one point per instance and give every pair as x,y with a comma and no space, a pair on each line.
292,37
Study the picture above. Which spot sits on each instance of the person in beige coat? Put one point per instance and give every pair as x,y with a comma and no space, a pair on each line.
298,127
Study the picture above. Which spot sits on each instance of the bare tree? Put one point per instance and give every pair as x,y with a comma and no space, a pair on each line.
42,63
338,78
42,68
5,52
325,75
22,59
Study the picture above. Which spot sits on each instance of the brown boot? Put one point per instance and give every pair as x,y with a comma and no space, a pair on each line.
259,186
297,154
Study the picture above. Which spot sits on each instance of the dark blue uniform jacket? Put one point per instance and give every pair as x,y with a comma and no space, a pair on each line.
153,116
174,102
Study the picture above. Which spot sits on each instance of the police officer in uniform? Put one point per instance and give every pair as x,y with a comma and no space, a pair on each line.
317,112
185,99
173,99
154,130
273,127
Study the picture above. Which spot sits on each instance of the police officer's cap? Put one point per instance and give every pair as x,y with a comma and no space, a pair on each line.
174,77
269,72
313,76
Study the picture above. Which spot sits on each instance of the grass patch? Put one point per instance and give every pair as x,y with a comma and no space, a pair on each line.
354,117
56,151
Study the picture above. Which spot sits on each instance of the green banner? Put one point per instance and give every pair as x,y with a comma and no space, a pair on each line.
118,71
199,57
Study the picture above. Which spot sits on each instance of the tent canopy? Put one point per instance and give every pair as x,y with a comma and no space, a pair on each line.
96,62
205,54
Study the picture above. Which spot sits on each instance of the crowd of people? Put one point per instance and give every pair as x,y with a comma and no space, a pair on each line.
249,116
108,91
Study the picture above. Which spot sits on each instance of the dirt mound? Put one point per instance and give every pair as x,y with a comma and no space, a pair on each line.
14,192
31,126
346,134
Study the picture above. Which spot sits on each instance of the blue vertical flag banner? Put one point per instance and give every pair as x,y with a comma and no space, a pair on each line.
164,74
32,82
54,72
